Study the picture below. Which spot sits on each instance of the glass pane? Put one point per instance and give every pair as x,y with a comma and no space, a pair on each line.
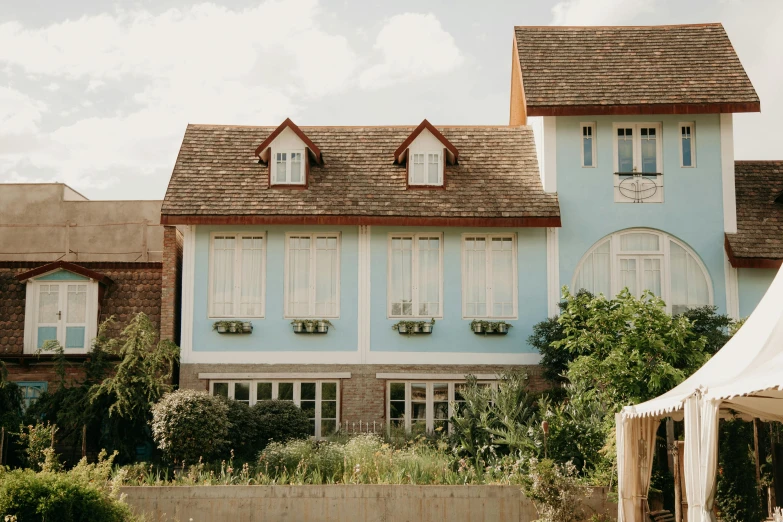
401,276
639,241
296,167
688,282
309,408
329,391
649,151
242,391
652,275
628,275
595,272
396,409
418,411
46,333
418,392
587,147
48,304
280,170
308,391
397,391
220,389
433,170
687,143
77,304
74,337
264,391
429,276
285,391
418,169
328,409
624,150
476,277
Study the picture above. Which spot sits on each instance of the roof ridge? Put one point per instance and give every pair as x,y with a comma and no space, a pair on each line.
759,161
662,26
498,126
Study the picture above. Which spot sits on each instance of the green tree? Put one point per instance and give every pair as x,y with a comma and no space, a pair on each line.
10,401
737,492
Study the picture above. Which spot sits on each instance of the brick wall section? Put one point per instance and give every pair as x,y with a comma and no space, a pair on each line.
171,284
363,395
134,290
12,296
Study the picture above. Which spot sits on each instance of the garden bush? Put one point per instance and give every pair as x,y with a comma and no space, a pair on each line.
189,425
280,421
555,490
243,438
737,494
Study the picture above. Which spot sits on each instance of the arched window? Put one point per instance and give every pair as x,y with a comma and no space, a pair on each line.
643,259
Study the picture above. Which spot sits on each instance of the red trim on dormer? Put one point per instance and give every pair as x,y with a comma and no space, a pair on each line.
452,153
262,149
65,265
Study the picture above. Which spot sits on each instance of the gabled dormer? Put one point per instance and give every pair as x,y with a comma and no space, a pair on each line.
288,152
424,153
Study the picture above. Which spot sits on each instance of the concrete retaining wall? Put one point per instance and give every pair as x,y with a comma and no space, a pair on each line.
341,502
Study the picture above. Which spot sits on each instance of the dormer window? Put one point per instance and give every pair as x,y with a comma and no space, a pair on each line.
426,169
289,168
425,153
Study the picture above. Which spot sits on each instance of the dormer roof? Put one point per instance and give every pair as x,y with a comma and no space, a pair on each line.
452,154
668,69
262,151
64,266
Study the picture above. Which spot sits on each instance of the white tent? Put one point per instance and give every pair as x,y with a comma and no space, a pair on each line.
745,376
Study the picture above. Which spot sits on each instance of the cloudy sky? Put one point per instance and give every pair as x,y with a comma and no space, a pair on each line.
97,94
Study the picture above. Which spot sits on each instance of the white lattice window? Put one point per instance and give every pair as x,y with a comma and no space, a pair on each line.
236,286
312,275
642,259
415,275
489,276
319,399
688,144
426,168
289,168
588,145
638,163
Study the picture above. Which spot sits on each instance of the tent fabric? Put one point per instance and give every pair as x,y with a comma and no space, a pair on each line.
701,457
636,440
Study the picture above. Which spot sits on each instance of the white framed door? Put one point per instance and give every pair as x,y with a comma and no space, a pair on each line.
640,273
62,314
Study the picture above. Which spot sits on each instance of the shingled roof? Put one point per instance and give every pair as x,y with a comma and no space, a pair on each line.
759,238
218,179
672,69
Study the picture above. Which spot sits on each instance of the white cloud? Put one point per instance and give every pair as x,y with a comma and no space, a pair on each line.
19,113
53,87
413,46
599,12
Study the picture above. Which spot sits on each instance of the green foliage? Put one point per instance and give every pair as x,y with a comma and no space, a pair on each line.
10,401
280,421
81,494
188,425
716,328
555,490
737,494
35,440
242,429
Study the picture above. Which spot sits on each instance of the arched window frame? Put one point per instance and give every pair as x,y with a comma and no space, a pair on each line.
665,241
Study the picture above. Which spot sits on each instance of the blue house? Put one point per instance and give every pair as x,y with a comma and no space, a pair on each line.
317,258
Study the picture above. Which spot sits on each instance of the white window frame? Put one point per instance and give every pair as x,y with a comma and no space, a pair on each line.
592,126
414,274
663,252
427,154
311,304
237,274
692,125
488,268
619,196
32,293
287,152
430,401
297,394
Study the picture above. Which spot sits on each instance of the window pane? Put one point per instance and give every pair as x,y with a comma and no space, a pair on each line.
397,391
595,273
308,391
637,241
328,409
649,151
401,281
418,169
476,274
77,304
326,276
48,304
397,410
429,276
433,169
625,150
687,143
250,284
587,146
688,283
264,391
296,167
652,275
418,407
223,275
329,391
328,427
242,392
280,167
285,391
628,275
502,277
220,389
299,276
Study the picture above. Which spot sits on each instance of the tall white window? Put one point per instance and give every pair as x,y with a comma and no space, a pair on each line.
415,275
489,272
426,168
237,275
641,259
588,144
638,163
312,275
62,315
687,144
288,168
320,400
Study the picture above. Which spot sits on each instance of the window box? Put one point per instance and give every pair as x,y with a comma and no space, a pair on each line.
490,327
311,326
233,327
414,327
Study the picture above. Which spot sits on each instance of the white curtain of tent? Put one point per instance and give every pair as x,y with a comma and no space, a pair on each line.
635,446
701,456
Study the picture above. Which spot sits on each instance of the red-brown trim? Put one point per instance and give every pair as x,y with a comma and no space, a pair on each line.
261,150
435,132
65,265
106,265
749,262
505,222
642,108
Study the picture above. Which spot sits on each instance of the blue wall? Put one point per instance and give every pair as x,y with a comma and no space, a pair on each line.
753,283
452,333
693,199
274,333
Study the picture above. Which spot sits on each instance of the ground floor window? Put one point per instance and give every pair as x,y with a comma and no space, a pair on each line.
31,391
319,399
424,406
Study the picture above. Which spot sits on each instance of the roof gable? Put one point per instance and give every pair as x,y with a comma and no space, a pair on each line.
452,154
673,69
49,270
262,151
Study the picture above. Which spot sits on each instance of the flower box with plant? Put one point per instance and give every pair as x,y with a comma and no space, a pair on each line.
489,327
234,327
310,326
414,327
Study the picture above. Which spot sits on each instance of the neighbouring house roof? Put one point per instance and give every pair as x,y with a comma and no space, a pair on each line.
217,178
65,265
670,69
759,238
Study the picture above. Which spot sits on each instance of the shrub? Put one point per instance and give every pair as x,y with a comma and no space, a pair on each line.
737,494
555,491
36,440
280,421
242,429
188,425
10,401
56,497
